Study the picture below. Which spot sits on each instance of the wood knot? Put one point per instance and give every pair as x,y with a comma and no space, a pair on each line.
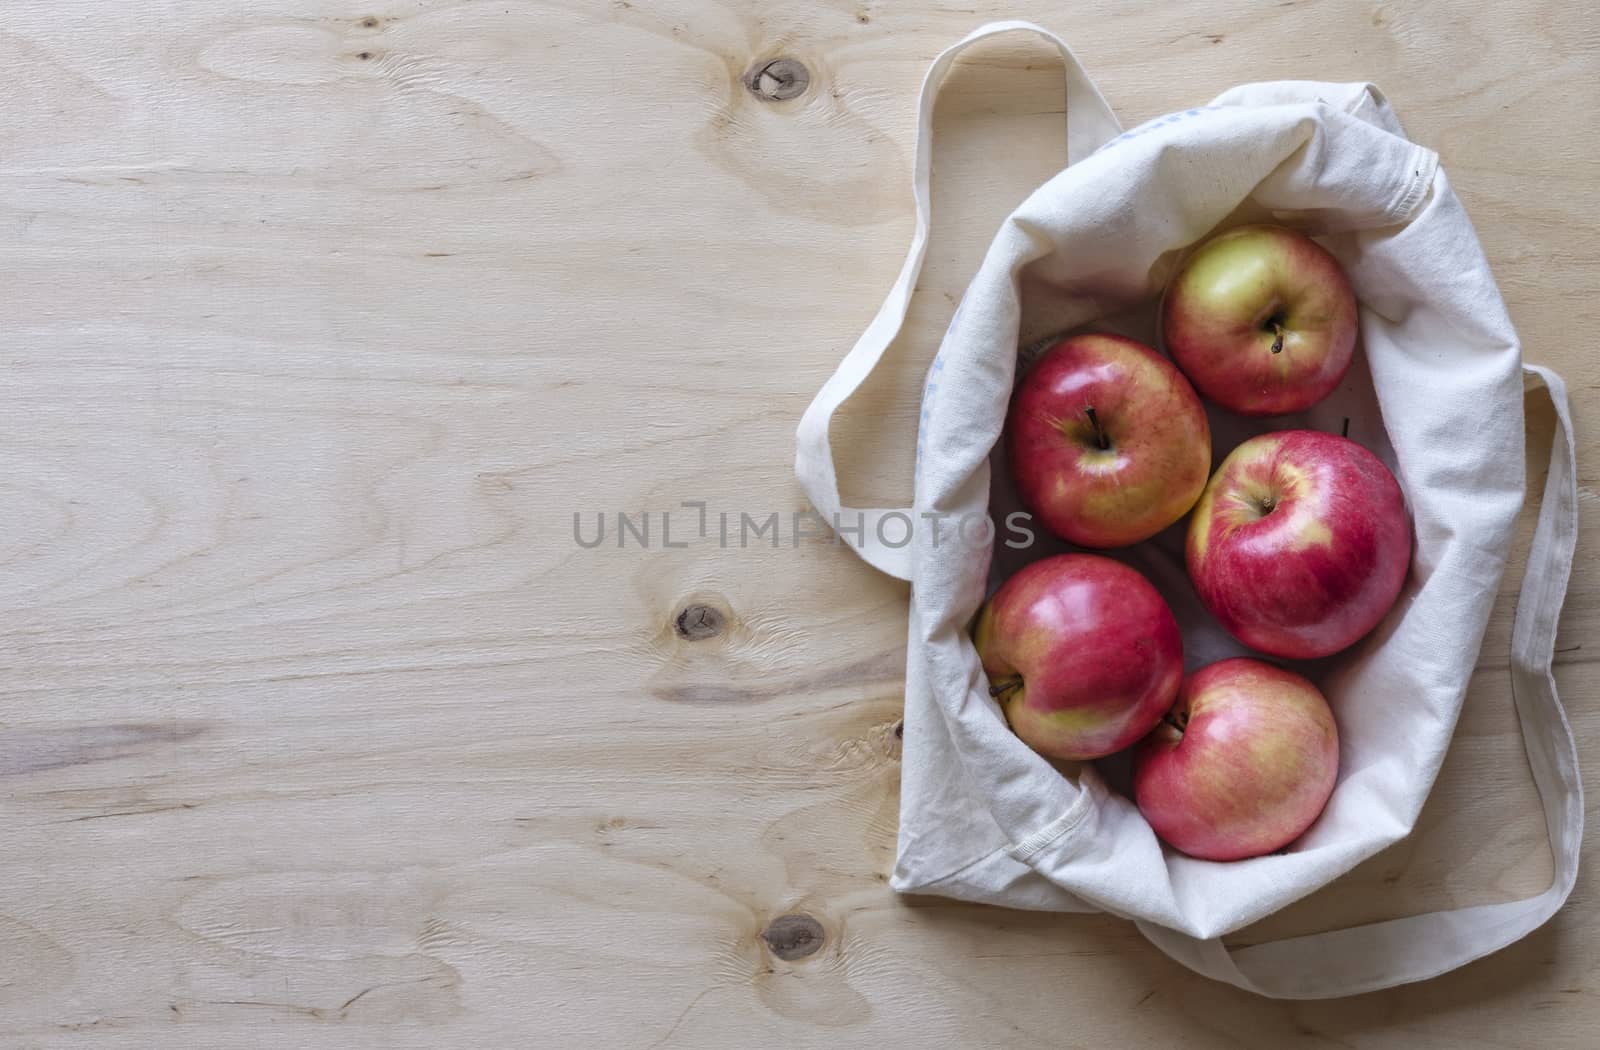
698,622
792,937
778,79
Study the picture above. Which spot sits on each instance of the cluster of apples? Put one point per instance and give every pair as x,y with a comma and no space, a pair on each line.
1298,545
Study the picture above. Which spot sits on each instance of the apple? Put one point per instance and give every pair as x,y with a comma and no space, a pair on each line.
1082,654
1242,764
1262,320
1107,442
1300,543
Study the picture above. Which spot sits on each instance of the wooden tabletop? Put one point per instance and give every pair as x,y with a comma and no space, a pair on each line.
320,729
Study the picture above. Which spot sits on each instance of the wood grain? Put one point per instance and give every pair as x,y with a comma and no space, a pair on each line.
319,729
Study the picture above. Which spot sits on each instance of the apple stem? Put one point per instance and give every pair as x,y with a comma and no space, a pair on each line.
1001,687
1277,342
1101,441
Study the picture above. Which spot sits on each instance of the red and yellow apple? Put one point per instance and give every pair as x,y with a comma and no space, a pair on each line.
1107,442
1300,543
1082,654
1261,319
1241,766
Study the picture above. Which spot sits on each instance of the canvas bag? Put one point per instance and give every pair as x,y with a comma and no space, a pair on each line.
1437,392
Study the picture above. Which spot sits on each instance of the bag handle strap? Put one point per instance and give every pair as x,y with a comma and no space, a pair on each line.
1415,948
1090,124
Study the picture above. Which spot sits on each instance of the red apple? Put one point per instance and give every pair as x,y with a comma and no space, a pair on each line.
1241,766
1262,320
1300,543
1082,654
1107,442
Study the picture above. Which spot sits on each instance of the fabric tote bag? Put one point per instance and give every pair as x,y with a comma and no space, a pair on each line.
1437,392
